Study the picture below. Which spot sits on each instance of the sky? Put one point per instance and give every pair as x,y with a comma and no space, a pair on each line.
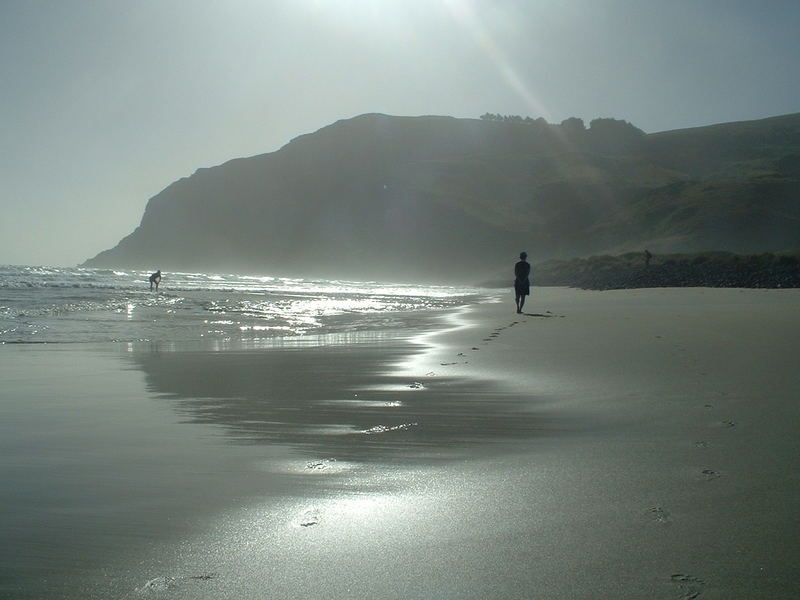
105,103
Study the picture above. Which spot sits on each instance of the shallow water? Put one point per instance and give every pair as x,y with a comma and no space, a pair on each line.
129,417
74,305
113,457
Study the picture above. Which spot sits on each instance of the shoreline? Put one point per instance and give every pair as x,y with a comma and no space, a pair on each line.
622,444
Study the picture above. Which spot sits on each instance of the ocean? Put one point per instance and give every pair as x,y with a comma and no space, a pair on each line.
134,422
76,305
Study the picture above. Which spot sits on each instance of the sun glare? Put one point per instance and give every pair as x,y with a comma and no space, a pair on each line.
365,17
406,21
464,14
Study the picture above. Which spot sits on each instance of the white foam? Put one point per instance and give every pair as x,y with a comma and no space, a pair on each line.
61,304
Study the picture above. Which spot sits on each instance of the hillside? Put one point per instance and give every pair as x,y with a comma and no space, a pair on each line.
445,199
710,269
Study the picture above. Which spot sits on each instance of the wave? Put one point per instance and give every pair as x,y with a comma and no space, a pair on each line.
14,277
59,304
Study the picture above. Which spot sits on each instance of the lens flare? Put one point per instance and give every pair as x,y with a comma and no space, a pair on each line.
463,13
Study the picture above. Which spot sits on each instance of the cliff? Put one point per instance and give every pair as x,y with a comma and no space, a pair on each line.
445,199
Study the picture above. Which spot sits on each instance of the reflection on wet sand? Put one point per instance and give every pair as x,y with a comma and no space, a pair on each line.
337,401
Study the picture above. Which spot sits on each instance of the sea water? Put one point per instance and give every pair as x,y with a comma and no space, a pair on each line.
77,305
116,445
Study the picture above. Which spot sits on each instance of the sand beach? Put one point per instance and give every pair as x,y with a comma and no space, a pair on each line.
623,444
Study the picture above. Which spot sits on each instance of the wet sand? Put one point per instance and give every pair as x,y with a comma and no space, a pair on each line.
631,444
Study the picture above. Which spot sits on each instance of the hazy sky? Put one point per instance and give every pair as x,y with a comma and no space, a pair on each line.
105,103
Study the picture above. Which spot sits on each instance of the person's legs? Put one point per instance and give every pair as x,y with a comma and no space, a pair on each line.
521,303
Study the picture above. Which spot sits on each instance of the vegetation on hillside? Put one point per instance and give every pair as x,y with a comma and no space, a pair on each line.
710,269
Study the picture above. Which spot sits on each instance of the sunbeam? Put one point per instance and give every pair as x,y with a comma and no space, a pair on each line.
463,12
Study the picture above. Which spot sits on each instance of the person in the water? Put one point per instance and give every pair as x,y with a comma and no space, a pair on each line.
522,285
155,279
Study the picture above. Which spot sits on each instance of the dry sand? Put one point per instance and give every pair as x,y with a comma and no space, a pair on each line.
676,476
634,444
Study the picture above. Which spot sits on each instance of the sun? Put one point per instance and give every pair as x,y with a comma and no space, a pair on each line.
366,17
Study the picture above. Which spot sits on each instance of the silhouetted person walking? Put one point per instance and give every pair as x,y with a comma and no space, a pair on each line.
522,285
647,257
155,279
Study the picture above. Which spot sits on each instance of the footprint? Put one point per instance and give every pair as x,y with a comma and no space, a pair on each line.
690,587
701,444
319,465
416,385
475,348
711,474
158,584
309,518
448,363
659,515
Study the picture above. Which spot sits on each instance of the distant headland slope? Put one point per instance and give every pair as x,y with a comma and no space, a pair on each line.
444,199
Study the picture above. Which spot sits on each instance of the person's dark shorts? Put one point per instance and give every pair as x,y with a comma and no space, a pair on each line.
522,288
